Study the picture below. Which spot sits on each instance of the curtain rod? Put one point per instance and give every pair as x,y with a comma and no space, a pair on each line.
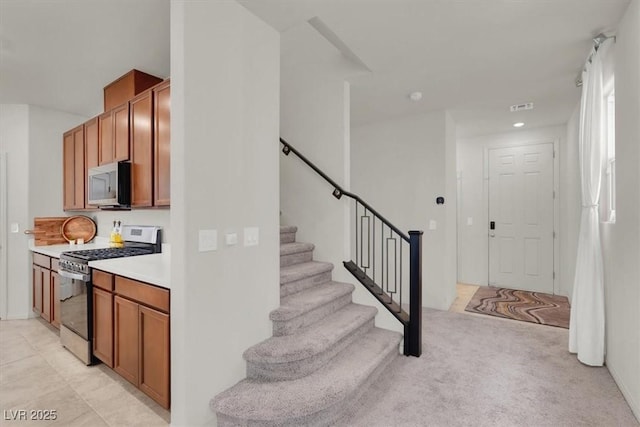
597,41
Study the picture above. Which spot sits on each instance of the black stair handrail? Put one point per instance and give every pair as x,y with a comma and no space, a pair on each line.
411,321
338,191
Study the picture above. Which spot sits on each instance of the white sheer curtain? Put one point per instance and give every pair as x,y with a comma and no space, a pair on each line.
586,329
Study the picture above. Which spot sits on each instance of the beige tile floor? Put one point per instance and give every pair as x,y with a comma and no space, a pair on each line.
37,373
464,294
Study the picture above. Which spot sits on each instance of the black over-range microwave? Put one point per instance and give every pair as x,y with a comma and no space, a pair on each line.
110,185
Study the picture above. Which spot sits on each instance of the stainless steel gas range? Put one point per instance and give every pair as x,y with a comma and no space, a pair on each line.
76,302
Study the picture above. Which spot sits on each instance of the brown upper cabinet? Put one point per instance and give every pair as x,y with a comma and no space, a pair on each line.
91,146
73,169
141,139
113,136
150,138
126,87
136,129
162,143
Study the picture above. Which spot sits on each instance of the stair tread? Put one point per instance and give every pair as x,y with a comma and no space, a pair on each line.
313,340
295,272
286,400
295,247
288,229
304,301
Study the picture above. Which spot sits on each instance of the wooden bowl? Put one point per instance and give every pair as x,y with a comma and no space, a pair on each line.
78,227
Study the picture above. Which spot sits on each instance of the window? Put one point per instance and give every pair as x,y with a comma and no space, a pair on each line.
608,194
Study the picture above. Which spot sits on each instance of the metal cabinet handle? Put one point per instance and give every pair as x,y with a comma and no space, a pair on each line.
33,231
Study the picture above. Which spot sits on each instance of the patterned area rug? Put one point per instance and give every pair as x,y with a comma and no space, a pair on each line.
534,307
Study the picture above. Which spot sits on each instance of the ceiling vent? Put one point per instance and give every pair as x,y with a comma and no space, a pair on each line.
521,107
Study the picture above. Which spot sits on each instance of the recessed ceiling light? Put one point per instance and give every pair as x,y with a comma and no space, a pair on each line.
518,125
415,96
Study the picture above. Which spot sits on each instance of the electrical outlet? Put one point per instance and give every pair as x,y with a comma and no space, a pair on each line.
207,240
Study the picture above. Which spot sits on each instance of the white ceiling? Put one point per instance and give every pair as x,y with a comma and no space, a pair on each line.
472,57
61,53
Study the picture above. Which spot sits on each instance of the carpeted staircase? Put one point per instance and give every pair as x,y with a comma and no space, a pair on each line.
324,352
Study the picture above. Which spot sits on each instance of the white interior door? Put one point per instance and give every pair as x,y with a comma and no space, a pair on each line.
521,214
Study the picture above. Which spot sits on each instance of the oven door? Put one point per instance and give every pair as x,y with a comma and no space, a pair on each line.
75,303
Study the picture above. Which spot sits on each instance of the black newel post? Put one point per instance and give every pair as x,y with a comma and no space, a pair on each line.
413,331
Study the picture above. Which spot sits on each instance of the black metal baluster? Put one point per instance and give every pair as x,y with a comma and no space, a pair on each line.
374,249
401,285
356,227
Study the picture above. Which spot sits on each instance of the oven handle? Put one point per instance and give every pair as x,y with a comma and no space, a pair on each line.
76,276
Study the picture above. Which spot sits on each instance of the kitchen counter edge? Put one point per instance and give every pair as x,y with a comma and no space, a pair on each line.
153,269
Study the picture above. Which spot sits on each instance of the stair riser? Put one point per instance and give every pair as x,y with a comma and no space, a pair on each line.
287,237
290,326
303,367
306,283
297,258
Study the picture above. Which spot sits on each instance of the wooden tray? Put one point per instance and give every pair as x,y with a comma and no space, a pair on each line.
78,227
46,230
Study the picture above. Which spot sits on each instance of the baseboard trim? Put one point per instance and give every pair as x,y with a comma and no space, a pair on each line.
633,404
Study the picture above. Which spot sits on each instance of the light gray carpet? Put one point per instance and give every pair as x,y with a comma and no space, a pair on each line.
480,371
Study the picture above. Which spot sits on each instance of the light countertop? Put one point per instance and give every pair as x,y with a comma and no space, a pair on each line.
154,269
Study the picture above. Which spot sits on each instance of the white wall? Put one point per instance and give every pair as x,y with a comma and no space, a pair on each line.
314,118
104,219
14,144
32,140
570,205
621,241
399,167
473,256
224,152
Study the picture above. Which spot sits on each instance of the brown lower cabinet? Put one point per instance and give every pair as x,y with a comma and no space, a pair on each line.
103,326
46,288
131,332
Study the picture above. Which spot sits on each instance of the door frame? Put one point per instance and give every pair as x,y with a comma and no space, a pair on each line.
556,200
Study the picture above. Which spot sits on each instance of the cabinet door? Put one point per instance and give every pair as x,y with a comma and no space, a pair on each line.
121,132
55,299
141,138
103,326
46,294
78,168
126,339
37,289
154,355
162,144
105,138
91,136
68,171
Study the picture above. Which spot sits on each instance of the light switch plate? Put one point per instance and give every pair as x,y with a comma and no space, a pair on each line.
207,240
231,239
251,236
469,220
15,227
432,224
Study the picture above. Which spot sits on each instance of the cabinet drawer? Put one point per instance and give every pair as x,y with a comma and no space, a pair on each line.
42,260
143,293
102,280
54,264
